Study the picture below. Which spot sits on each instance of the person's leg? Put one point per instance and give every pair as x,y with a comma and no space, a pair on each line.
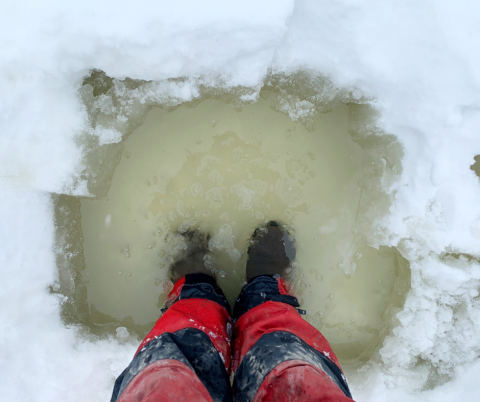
186,356
277,355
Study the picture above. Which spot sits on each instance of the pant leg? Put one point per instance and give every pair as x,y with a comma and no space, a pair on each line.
277,355
186,356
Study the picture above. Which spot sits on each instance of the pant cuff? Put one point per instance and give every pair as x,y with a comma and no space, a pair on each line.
197,286
259,290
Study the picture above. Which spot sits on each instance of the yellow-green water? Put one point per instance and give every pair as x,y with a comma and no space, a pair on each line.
228,172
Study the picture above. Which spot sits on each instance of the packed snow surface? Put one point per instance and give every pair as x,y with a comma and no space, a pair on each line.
418,62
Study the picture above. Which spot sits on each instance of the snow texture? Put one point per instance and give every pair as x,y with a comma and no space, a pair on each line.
419,63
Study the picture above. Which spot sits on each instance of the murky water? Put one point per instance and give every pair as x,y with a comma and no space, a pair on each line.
225,171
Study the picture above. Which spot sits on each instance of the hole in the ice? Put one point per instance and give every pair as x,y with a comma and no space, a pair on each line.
476,166
305,153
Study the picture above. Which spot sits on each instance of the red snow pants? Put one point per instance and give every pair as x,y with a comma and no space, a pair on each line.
190,354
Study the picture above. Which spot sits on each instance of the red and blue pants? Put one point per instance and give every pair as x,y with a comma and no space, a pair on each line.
269,351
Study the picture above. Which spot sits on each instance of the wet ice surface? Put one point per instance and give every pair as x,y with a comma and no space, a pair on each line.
227,172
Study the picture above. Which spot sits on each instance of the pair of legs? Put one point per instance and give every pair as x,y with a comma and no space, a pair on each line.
268,350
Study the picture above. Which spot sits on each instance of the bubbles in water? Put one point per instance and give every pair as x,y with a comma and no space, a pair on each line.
259,215
233,253
208,263
181,208
187,224
214,197
245,194
237,153
298,169
224,241
259,187
215,177
196,189
207,163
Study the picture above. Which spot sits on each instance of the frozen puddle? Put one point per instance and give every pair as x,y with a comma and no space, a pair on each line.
226,170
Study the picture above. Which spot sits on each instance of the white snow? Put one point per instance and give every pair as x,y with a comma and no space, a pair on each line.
418,61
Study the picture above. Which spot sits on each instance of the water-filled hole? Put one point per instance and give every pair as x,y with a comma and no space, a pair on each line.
476,165
227,169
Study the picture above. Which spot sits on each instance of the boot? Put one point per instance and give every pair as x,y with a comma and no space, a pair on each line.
271,251
191,257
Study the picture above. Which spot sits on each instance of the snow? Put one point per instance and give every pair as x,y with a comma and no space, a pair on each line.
417,61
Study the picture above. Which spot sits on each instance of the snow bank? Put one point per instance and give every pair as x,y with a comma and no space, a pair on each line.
417,62
41,359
